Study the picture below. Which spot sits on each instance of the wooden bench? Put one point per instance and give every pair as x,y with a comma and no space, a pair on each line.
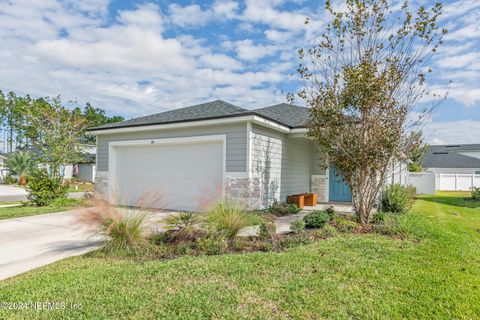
304,199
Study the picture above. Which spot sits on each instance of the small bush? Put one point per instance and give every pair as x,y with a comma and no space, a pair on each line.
212,245
391,226
476,193
343,224
9,179
185,225
331,212
267,230
283,209
316,219
297,226
327,231
43,189
397,198
378,217
228,218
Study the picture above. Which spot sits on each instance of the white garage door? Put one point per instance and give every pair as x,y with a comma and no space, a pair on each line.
182,174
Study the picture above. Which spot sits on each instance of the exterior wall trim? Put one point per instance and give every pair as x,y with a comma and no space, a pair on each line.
252,118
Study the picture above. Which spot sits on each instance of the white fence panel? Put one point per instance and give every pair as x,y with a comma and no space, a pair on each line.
457,182
464,182
424,182
447,182
476,181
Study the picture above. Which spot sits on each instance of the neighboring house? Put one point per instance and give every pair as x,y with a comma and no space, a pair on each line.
189,154
459,159
3,170
84,170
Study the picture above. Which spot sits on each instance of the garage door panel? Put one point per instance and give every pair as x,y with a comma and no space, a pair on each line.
181,173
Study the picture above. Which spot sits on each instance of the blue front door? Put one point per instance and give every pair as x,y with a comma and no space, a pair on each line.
338,189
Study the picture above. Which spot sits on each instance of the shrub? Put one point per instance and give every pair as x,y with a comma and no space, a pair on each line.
397,198
9,179
124,229
228,218
297,226
391,226
331,212
316,219
212,245
378,217
267,230
343,224
476,193
327,231
283,209
185,225
43,189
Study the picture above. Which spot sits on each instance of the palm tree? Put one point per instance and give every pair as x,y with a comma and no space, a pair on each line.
20,164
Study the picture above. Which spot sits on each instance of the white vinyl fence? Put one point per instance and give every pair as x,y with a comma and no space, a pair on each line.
424,182
457,182
427,182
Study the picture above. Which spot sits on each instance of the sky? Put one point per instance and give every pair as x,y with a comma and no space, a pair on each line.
136,58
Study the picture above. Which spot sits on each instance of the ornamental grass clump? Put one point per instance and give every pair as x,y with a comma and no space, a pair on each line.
229,218
124,229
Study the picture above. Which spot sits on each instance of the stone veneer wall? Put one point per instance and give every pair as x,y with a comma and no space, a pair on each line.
319,185
101,182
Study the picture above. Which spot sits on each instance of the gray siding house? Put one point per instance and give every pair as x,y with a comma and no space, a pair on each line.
458,159
191,155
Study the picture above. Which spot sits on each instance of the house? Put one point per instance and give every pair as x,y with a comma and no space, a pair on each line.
84,170
3,170
454,167
191,153
459,159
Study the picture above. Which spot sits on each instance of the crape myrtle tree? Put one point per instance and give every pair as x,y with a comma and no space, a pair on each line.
363,78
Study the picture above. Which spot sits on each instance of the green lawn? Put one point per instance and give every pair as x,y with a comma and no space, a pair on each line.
81,187
433,275
24,211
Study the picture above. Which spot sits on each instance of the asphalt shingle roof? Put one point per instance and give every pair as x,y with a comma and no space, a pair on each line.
448,156
284,114
290,115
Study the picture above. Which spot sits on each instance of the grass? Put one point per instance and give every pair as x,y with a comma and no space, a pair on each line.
81,187
433,275
27,210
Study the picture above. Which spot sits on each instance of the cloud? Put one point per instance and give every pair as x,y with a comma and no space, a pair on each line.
225,9
147,16
448,132
247,50
189,16
265,12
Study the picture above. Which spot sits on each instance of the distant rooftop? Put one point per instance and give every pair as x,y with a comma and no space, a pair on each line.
450,156
285,114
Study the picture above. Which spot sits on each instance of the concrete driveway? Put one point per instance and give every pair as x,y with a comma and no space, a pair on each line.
12,193
30,242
